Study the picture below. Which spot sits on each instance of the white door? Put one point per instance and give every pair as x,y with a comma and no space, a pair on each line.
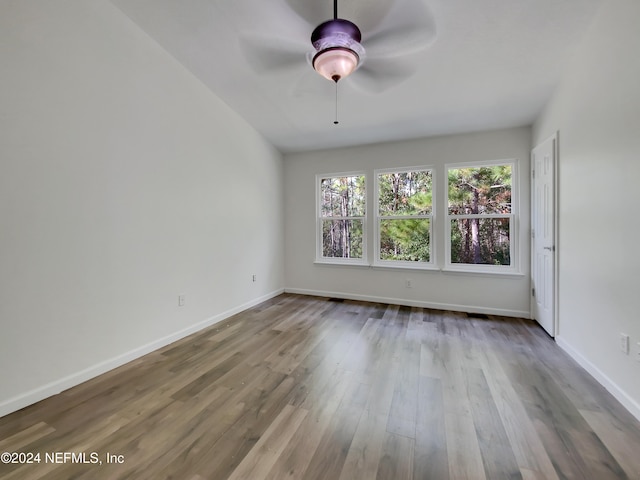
543,267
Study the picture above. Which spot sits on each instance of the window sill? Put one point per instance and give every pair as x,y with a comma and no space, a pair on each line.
427,268
342,263
483,272
380,266
407,266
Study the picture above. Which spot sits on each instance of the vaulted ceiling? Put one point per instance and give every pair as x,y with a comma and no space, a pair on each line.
433,67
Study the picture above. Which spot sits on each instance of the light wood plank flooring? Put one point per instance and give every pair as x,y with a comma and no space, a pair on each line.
314,388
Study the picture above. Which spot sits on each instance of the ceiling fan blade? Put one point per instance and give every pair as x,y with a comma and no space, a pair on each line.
308,83
367,14
409,27
376,76
313,12
274,18
271,54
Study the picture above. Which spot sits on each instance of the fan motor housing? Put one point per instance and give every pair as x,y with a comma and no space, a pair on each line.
335,28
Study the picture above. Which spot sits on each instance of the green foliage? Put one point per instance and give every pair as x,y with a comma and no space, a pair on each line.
405,194
342,238
480,191
342,203
343,196
491,245
480,198
405,239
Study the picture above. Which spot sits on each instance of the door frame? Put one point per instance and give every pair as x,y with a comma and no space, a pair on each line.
555,137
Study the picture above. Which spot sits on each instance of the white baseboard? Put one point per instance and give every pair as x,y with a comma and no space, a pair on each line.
620,395
414,303
59,385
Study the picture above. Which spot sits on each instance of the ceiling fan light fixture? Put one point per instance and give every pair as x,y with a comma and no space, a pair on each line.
337,42
335,63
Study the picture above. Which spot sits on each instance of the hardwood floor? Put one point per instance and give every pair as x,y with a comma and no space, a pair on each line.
313,388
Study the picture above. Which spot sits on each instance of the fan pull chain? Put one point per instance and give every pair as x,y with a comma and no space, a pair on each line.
335,122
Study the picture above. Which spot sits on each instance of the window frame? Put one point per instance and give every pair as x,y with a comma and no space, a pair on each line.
319,219
405,264
514,221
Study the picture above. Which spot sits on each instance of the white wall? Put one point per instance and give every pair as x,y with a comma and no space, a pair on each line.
123,183
596,110
459,291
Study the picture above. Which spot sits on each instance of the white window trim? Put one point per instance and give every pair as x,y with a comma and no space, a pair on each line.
338,260
377,261
514,216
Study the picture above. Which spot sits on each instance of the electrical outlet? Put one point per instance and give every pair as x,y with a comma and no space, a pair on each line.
181,300
638,352
407,283
624,343
253,277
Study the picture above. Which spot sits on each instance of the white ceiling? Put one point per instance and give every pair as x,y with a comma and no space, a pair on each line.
478,64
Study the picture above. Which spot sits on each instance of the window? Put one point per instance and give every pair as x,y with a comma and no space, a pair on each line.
481,216
479,210
404,217
341,218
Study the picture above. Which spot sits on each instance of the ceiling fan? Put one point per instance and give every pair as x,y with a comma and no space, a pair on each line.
393,30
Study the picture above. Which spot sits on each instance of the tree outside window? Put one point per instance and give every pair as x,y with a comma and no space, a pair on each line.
481,215
342,212
404,220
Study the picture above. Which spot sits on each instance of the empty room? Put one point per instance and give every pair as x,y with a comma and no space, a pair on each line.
319,240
